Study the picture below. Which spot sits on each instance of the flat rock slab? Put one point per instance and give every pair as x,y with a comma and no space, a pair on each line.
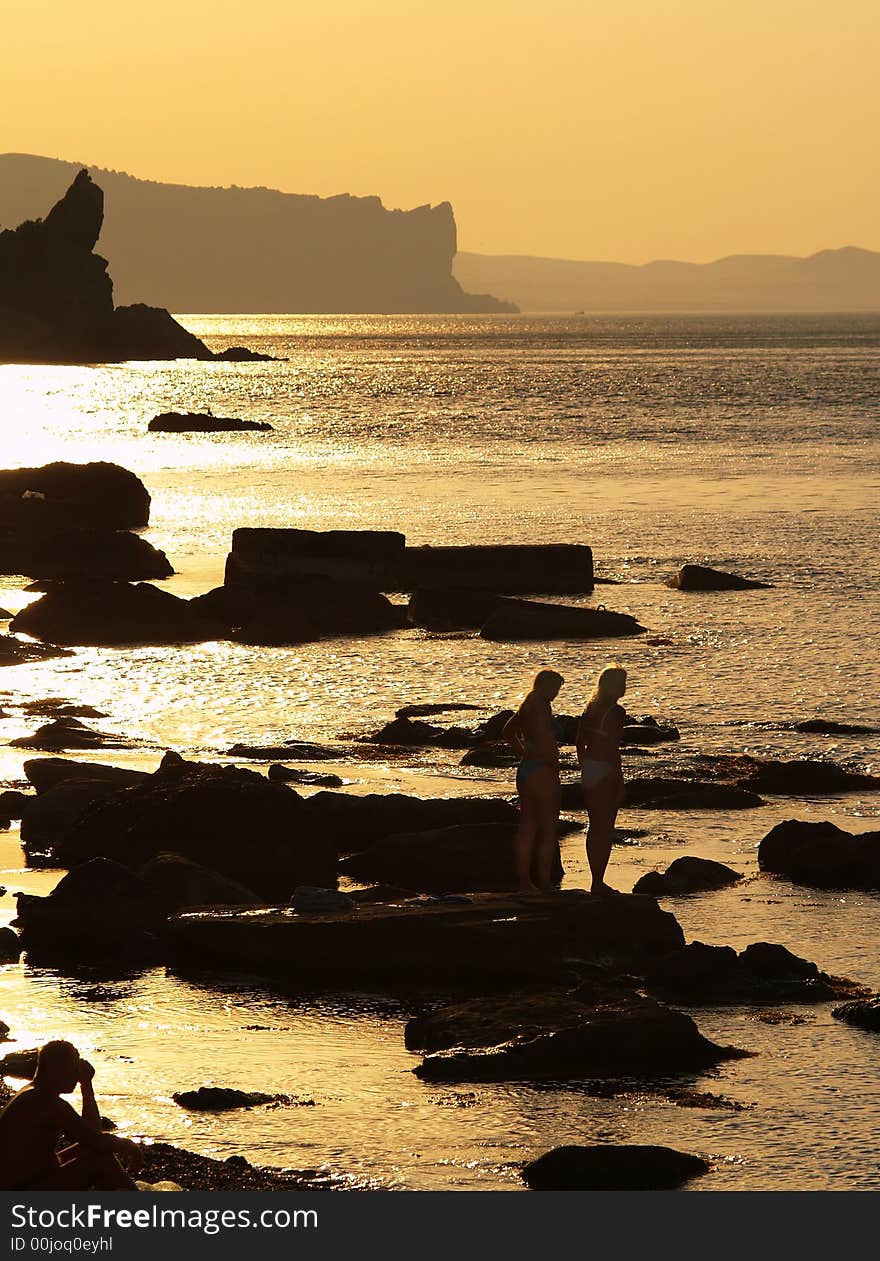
612,1168
490,939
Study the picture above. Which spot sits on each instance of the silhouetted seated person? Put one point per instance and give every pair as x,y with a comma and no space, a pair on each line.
36,1119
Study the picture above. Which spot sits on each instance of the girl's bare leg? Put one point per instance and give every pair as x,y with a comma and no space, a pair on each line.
524,842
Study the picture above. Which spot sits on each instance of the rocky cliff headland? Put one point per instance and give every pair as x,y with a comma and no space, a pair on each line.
56,296
258,249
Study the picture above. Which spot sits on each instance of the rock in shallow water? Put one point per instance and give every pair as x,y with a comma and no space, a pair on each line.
863,1013
612,1168
557,1037
822,855
689,874
702,578
762,973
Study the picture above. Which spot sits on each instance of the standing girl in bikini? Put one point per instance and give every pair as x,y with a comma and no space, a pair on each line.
598,751
533,733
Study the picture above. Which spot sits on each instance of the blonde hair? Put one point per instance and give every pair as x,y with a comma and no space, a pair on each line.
610,678
547,680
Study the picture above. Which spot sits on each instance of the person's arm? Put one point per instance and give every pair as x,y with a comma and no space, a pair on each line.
79,1131
580,742
513,732
90,1112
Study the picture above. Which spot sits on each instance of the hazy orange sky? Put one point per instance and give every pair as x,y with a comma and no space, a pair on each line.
604,129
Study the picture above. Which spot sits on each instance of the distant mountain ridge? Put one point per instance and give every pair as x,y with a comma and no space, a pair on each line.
256,249
839,280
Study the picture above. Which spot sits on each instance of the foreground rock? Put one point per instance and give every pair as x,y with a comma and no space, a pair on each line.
99,910
822,855
50,816
462,859
196,422
762,973
10,947
355,823
56,305
490,939
63,555
224,818
612,1168
160,1162
862,1013
686,875
701,578
297,610
112,614
560,1035
176,882
72,496
45,772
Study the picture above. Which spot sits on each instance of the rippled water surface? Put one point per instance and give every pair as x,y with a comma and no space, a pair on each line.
749,444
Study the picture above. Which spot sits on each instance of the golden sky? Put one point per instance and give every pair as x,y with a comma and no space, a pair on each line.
599,129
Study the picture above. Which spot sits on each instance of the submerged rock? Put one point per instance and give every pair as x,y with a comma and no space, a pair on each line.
689,874
558,1037
702,578
69,733
825,727
197,422
863,1013
762,973
612,1168
16,652
288,775
661,793
822,855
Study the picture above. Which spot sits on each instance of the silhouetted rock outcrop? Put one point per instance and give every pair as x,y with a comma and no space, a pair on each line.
56,298
277,251
112,614
686,875
822,854
72,496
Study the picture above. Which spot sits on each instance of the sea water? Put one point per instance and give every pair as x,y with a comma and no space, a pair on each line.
745,443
